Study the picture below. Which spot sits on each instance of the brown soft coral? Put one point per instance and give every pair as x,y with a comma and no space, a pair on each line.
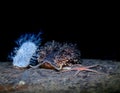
55,55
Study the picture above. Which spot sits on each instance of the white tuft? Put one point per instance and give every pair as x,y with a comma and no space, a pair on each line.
28,45
24,54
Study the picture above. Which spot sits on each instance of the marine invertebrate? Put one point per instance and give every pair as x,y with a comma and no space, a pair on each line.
55,55
61,56
79,68
26,50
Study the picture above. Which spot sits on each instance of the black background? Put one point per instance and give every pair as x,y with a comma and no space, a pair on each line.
95,30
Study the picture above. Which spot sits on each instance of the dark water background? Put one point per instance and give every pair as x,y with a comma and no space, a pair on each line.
95,32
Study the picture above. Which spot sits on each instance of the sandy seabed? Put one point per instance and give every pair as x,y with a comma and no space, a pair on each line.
42,80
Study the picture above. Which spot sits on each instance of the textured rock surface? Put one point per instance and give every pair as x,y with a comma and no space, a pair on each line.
44,80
